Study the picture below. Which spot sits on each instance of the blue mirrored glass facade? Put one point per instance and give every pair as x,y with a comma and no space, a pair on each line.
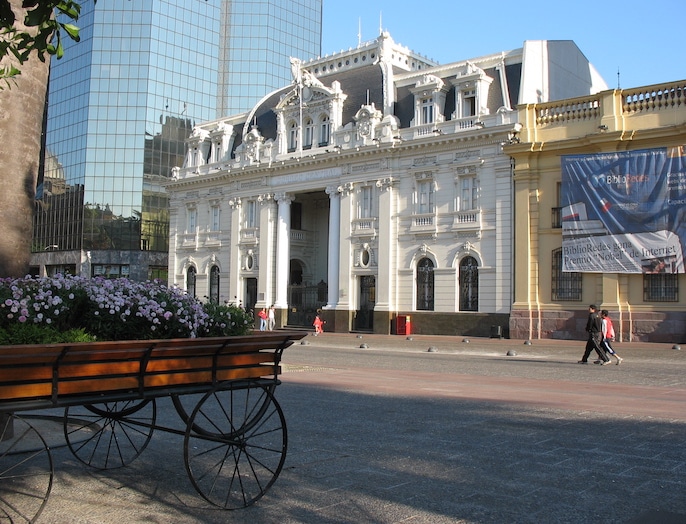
258,29
124,99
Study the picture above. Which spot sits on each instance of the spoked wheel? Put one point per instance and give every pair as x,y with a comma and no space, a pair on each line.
241,448
109,435
184,405
26,471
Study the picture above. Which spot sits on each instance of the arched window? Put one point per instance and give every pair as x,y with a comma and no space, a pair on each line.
190,281
425,285
292,136
214,285
324,130
309,134
469,284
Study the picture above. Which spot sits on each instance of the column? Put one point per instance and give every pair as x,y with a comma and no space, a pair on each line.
334,245
267,251
235,291
283,248
386,274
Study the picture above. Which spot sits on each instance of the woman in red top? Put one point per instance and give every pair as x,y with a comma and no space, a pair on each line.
608,332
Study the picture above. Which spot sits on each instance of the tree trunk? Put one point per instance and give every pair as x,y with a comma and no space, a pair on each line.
21,128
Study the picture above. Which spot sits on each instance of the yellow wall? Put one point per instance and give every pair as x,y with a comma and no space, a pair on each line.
615,120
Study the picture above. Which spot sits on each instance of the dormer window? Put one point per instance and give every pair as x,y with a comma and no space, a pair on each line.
303,124
471,95
429,95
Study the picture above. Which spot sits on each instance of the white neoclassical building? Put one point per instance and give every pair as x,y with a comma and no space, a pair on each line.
373,189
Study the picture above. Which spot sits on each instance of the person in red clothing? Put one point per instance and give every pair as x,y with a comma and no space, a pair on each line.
318,325
608,332
263,319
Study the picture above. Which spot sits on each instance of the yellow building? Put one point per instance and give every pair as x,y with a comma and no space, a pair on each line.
599,200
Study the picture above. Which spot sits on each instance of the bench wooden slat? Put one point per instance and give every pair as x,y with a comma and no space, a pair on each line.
104,384
26,391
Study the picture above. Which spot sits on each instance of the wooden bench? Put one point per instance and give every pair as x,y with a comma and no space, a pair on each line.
41,376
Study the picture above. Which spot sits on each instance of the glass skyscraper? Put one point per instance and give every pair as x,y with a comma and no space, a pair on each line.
121,104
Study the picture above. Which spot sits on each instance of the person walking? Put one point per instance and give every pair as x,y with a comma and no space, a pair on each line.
594,328
271,319
318,325
263,319
608,332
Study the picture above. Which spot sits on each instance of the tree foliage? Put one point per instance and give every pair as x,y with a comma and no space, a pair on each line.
34,28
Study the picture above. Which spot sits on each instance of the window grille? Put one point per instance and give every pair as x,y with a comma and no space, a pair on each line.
469,284
214,285
565,285
661,287
425,285
190,281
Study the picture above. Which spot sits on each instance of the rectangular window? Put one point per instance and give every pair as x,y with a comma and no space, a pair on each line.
110,270
251,214
215,218
468,193
661,287
366,202
564,286
192,219
556,212
427,111
425,197
324,131
296,216
293,138
468,103
309,134
158,273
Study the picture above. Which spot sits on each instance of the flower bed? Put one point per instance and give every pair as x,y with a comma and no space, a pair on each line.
68,308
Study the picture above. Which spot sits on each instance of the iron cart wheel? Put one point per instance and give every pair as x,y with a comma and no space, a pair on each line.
26,471
241,448
184,405
112,434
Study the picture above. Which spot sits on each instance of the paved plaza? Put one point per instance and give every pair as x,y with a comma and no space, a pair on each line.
394,429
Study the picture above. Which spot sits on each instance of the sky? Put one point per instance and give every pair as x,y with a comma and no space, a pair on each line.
643,41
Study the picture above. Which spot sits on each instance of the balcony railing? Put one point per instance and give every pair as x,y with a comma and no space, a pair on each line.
470,219
364,226
424,223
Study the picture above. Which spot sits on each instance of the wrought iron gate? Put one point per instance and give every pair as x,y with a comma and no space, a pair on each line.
304,302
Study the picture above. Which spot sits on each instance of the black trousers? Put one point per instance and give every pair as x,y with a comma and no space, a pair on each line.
593,343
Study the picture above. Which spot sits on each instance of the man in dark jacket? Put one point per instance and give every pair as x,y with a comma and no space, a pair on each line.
594,327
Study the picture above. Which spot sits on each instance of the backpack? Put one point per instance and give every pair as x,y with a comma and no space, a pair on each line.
609,329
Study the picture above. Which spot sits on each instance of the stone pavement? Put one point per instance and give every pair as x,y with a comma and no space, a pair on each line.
384,429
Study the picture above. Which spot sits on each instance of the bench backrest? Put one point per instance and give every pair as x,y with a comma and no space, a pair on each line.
61,374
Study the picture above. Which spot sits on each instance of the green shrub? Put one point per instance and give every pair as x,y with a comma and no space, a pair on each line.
36,334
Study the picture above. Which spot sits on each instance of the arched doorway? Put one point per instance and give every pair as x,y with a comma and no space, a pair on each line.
214,285
425,285
469,284
190,281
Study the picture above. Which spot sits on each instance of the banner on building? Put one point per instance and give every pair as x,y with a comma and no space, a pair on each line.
624,212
